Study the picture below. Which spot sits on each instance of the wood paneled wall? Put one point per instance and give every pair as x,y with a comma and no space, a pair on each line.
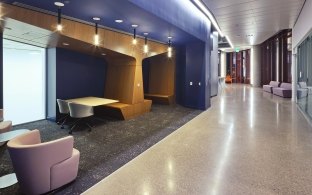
275,58
161,75
124,73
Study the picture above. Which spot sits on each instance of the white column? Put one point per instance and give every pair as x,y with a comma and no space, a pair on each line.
223,64
255,66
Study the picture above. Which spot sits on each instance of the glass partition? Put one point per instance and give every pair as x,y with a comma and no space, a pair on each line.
23,82
304,75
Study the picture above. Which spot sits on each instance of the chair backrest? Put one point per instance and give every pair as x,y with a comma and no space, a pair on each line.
274,83
80,111
63,106
303,84
286,86
32,160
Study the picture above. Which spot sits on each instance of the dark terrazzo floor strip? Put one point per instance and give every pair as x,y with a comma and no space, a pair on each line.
110,145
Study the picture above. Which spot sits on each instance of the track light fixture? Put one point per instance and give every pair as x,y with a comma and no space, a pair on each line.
96,35
145,43
59,5
134,41
169,47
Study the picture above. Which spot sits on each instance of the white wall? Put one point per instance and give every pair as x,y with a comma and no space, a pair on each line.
223,64
304,24
214,65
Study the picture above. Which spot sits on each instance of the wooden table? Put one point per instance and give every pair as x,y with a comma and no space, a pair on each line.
92,101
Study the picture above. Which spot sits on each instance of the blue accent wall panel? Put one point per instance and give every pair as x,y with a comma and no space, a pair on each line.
79,75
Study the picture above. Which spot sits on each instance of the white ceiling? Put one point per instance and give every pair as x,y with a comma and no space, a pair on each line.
251,22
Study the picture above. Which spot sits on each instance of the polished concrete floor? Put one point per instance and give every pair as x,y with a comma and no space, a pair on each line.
248,142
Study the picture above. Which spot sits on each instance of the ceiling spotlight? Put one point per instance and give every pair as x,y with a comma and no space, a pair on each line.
119,21
96,35
134,41
65,44
103,54
169,47
145,44
59,26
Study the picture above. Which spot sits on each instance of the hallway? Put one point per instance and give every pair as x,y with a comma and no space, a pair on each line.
248,142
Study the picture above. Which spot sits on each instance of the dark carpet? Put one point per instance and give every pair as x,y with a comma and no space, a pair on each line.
110,145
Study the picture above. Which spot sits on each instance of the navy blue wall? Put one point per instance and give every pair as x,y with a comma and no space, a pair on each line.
146,70
193,65
180,13
79,75
193,57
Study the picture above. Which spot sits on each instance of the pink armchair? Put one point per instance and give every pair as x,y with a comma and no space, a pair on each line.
5,126
42,167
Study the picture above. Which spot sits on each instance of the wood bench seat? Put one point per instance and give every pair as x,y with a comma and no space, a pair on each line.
124,111
160,98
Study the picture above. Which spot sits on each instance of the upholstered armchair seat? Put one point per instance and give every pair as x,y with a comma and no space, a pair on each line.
43,167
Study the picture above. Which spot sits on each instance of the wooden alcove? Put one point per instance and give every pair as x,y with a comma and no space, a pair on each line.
159,79
124,80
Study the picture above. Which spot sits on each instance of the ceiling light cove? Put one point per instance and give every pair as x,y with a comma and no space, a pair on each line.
199,4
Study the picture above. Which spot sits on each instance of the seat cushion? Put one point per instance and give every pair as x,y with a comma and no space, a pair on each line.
267,88
274,83
286,93
302,92
303,84
286,86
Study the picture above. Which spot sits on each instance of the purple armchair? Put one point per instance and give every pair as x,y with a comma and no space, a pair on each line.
42,167
284,90
269,87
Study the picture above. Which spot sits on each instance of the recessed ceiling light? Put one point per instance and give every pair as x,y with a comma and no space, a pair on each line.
134,25
119,21
96,18
59,4
170,37
145,34
66,44
103,54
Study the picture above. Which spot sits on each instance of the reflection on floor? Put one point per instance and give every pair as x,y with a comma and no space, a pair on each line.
109,145
306,105
248,142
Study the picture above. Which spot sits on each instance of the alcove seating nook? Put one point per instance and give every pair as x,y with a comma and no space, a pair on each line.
123,78
159,79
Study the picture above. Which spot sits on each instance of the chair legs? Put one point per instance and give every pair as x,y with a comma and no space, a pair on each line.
62,120
79,121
